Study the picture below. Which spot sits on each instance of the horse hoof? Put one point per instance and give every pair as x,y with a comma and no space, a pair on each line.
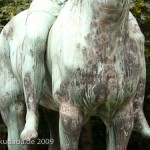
29,135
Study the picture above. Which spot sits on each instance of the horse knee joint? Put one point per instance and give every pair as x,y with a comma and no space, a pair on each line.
70,117
69,111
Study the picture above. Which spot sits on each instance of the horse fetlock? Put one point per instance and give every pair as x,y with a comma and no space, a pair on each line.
32,119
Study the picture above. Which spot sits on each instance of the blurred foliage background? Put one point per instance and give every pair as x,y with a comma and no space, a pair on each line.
141,10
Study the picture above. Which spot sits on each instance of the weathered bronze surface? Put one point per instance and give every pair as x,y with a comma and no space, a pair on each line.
92,63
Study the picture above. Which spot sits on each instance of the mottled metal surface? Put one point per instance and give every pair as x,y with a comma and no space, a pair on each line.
97,68
94,65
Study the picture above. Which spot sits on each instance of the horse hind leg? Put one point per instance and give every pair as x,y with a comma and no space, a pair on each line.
33,69
118,133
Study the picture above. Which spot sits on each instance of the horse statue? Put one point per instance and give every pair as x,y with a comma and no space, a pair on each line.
24,40
94,66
